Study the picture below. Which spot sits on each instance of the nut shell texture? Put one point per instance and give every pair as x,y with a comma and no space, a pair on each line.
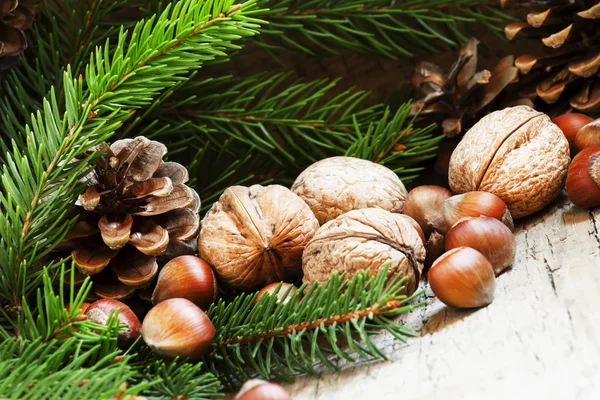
365,240
255,236
336,185
516,153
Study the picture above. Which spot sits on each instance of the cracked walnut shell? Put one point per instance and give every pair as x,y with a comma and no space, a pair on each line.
517,154
336,185
255,235
362,240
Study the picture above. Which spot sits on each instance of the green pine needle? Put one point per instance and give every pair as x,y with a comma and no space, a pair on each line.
278,340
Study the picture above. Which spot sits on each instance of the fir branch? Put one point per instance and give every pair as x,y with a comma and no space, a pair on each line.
59,355
50,320
277,341
292,123
267,129
64,33
396,144
394,29
178,380
41,180
61,370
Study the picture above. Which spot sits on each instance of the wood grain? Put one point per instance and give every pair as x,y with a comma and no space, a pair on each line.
539,339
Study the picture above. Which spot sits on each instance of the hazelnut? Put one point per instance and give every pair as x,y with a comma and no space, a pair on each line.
257,389
187,277
365,240
583,180
178,328
488,236
463,278
255,236
588,136
336,185
570,124
100,311
516,153
475,204
282,290
426,205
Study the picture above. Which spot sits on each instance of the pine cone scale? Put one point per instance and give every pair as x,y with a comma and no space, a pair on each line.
92,256
149,238
20,18
134,269
157,187
566,63
14,18
115,229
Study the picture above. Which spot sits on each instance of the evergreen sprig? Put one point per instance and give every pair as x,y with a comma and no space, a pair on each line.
39,370
178,380
396,143
41,179
56,354
64,35
275,127
392,28
336,319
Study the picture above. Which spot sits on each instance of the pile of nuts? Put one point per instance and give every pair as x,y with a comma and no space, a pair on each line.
475,230
348,215
583,179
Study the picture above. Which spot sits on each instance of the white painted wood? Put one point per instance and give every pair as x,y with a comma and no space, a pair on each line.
539,339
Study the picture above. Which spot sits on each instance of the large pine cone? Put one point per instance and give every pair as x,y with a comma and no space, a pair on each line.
14,19
563,55
137,213
457,98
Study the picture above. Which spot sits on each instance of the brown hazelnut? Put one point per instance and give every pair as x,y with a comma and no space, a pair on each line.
588,136
426,205
516,153
257,389
475,204
99,312
570,124
336,185
255,236
583,180
463,278
365,240
187,277
284,292
488,236
178,328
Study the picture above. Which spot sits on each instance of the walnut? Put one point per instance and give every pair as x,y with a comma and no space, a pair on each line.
365,240
255,236
516,153
336,185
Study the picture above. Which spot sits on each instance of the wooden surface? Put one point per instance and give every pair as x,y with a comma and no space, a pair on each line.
539,339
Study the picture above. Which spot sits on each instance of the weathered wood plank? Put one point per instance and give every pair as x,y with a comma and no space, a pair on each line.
540,338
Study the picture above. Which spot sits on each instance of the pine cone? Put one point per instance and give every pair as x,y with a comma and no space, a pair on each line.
14,19
455,99
137,213
564,64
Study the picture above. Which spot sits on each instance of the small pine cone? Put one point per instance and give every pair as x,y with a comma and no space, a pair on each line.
456,99
137,213
563,56
14,19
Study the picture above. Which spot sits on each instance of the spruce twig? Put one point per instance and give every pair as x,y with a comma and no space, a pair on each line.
42,179
277,341
323,28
